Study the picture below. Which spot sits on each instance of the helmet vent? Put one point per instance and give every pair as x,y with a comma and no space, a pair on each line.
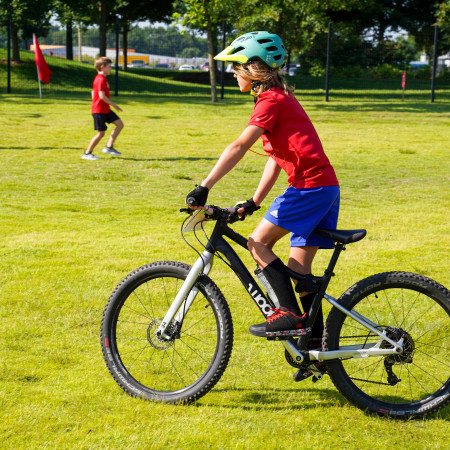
277,57
264,41
236,50
272,48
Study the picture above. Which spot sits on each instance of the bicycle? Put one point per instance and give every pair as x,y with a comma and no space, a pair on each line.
167,330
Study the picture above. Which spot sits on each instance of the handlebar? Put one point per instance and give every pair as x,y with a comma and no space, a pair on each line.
212,212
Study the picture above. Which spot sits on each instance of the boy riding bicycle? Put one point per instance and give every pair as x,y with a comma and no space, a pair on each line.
312,198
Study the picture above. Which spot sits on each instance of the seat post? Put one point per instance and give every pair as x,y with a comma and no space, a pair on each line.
338,247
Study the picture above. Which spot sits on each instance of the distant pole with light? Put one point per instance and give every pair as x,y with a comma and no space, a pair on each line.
435,52
8,70
327,79
222,78
116,73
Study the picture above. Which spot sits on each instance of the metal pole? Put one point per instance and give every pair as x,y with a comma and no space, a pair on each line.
435,52
116,74
222,76
8,83
39,80
327,79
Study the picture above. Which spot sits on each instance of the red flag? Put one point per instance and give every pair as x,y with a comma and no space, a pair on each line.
43,69
404,80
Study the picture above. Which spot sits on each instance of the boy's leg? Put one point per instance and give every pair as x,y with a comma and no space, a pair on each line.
119,126
260,245
300,260
95,140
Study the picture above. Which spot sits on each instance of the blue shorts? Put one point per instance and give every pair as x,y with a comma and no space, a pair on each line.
300,211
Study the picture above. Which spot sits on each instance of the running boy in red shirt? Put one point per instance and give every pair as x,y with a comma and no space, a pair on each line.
101,111
312,197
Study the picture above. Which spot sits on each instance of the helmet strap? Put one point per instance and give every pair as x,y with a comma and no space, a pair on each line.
255,85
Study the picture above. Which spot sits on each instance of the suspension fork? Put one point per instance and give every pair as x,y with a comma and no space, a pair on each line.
186,295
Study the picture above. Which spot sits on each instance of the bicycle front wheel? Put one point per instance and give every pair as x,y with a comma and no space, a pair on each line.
407,306
181,369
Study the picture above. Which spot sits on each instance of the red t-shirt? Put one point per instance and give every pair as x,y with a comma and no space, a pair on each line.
98,105
291,140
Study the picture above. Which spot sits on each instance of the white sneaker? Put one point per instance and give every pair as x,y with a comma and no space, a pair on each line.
90,156
111,151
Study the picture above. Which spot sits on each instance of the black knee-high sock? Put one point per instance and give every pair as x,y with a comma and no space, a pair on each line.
317,329
281,283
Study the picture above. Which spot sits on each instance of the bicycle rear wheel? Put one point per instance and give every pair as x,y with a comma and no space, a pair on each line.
181,369
414,383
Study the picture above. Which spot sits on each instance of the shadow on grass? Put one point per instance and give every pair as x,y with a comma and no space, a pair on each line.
389,107
280,400
181,158
31,147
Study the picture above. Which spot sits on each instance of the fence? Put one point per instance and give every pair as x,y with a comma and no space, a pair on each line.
338,68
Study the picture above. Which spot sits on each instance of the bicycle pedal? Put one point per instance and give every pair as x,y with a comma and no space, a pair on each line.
301,375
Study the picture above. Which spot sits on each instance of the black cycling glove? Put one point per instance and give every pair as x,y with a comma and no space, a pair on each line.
198,196
249,207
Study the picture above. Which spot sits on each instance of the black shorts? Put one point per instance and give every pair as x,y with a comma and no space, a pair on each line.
100,120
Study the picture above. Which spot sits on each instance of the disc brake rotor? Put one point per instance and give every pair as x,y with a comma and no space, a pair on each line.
154,340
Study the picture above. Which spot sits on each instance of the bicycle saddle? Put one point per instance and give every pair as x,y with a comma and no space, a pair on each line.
342,236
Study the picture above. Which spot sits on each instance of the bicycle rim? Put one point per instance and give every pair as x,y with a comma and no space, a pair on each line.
183,368
412,308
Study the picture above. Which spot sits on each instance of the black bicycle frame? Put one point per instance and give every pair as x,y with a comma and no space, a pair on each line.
263,302
217,243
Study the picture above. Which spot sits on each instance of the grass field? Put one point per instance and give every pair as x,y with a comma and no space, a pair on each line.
72,229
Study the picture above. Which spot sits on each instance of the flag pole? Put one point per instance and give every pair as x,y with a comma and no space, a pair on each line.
40,89
37,68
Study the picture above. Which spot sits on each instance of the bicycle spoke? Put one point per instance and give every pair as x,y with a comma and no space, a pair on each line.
149,299
430,330
137,312
186,364
194,351
409,307
435,359
390,307
194,324
147,365
131,321
173,365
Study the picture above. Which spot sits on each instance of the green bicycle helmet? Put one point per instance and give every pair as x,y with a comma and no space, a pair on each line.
261,45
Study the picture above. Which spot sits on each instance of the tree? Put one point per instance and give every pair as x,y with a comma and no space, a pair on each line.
206,16
443,14
132,11
69,12
297,23
27,17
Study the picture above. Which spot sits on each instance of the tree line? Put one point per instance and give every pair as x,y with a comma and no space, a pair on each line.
145,38
302,24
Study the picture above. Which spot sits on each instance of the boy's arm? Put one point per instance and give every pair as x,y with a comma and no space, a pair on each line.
104,98
232,155
269,177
